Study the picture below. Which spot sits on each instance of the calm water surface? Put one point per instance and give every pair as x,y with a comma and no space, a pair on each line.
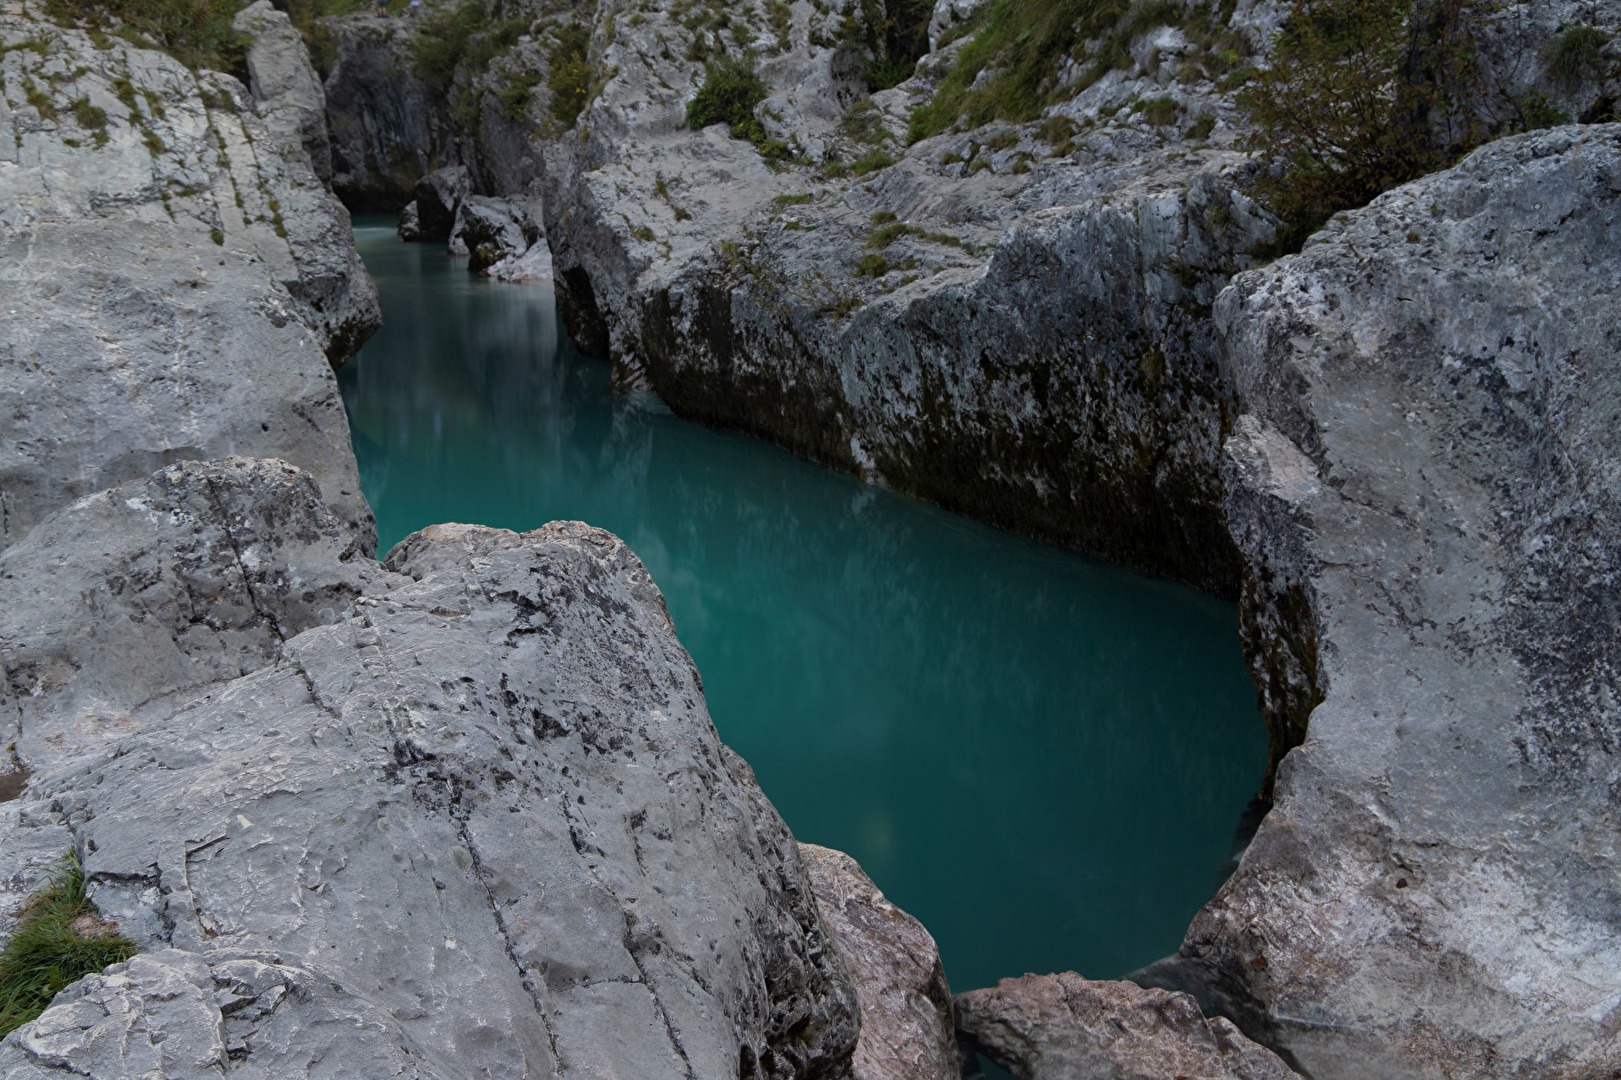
1043,758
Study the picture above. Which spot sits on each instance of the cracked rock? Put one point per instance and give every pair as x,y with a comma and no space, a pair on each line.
482,806
1064,1027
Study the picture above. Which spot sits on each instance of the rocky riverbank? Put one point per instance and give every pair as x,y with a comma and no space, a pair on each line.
463,813
1392,444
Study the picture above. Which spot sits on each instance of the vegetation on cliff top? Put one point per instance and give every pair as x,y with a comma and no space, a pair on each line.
1365,95
1012,67
59,938
196,32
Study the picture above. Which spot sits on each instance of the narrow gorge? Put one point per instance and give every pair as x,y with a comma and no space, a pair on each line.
366,793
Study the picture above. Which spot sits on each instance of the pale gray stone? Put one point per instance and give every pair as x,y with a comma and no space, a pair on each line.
173,282
481,815
1425,485
121,606
286,92
1064,1027
907,1030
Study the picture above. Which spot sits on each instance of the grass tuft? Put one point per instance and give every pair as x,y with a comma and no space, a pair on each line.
59,939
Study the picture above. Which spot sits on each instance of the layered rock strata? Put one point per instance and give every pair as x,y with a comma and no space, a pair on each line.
1424,482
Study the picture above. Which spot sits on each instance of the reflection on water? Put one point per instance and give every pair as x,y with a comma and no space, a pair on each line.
1042,758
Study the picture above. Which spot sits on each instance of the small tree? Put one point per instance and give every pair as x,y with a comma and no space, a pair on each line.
1362,95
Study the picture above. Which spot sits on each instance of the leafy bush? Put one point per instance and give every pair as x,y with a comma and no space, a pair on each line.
196,32
58,940
730,91
465,36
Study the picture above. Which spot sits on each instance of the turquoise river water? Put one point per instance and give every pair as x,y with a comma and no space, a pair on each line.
1043,758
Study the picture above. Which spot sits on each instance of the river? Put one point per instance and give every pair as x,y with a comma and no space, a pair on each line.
1042,757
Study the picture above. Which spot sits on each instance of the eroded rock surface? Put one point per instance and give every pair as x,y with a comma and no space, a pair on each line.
477,819
191,577
907,1030
175,278
1425,484
1064,1027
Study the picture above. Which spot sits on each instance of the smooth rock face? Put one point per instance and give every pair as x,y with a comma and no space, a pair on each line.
1012,322
907,1031
120,605
479,822
285,89
1064,1027
1428,472
387,126
175,279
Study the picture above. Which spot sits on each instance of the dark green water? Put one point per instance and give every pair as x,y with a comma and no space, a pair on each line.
1043,758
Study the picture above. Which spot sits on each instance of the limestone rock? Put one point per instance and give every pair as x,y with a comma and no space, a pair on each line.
175,277
907,1031
1012,322
476,825
496,233
410,226
286,92
439,197
1425,486
121,605
1064,1027
172,1014
385,125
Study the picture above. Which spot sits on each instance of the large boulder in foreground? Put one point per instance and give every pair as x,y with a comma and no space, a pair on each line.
1064,1027
907,1031
1426,483
177,282
474,824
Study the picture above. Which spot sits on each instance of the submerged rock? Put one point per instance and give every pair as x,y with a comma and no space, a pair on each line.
1064,1027
1424,483
907,1031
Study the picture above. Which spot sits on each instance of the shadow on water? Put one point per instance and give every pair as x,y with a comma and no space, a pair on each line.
1041,757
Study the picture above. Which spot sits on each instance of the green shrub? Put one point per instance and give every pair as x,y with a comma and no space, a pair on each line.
1019,44
90,117
1357,101
571,72
58,940
465,36
873,265
196,32
730,91
1159,111
1575,54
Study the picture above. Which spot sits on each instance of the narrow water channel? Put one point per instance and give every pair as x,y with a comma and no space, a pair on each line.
1043,758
